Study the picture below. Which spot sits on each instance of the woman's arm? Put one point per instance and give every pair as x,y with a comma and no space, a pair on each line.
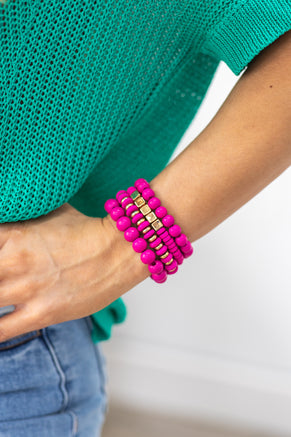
245,147
66,265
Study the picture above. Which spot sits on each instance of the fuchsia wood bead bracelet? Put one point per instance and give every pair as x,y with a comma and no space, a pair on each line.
151,230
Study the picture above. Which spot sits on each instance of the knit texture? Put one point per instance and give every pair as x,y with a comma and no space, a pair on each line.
95,94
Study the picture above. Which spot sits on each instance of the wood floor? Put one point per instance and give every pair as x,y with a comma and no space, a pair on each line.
122,422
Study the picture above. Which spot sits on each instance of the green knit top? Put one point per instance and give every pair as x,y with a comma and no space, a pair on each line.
96,94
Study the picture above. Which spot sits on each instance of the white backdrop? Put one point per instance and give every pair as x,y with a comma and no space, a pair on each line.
214,341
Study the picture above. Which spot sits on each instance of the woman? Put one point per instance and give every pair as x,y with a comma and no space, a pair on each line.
93,96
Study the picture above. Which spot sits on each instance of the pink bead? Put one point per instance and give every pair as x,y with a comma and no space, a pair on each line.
143,225
147,193
123,223
162,277
186,255
156,267
181,240
156,242
137,217
116,212
154,202
175,231
139,245
168,239
164,234
186,248
160,231
131,209
162,280
125,201
120,198
140,184
130,190
110,204
161,211
149,234
180,260
131,234
120,194
176,253
179,253
148,256
162,250
171,266
167,259
173,271
168,220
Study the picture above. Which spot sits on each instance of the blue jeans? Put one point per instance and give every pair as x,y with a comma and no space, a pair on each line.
53,383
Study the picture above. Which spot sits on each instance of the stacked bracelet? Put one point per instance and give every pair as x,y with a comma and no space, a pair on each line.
145,223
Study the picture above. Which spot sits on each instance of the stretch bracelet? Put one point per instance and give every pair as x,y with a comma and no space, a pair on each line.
148,232
145,223
159,212
138,235
182,242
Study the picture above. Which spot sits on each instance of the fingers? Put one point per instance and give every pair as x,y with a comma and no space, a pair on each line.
22,320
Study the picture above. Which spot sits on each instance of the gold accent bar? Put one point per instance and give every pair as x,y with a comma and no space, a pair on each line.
153,238
134,213
169,262
140,221
148,228
125,197
165,255
127,206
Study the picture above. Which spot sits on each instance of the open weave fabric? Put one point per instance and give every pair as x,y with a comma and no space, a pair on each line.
95,94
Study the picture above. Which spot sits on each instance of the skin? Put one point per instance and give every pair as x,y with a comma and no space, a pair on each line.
65,265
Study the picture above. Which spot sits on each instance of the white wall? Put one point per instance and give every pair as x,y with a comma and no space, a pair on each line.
214,341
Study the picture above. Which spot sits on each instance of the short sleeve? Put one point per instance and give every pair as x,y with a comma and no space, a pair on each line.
245,30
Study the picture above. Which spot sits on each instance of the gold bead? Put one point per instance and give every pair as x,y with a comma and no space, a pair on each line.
151,217
140,221
145,209
159,246
140,201
148,228
171,270
153,238
134,213
127,206
126,197
169,262
157,225
165,255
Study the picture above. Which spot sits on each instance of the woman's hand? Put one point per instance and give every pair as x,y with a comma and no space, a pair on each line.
62,266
